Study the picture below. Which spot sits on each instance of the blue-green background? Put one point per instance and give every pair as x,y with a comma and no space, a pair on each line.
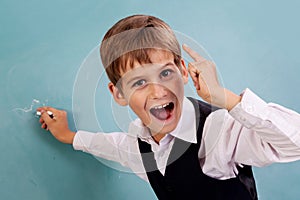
254,43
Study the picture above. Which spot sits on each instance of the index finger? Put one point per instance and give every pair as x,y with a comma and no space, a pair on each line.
193,53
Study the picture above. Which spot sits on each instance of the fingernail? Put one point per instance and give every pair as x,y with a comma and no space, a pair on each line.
185,45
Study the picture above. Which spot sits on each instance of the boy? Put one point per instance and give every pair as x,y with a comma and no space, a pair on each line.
185,148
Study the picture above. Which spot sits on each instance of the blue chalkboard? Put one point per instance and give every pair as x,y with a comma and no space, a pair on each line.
45,43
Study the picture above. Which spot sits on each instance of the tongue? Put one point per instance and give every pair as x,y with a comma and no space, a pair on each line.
161,114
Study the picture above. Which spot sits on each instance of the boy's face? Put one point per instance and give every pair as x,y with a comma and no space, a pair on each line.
155,91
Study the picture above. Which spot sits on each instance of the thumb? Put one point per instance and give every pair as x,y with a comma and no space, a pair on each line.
194,74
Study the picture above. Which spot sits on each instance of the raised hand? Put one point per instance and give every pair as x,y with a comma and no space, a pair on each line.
204,75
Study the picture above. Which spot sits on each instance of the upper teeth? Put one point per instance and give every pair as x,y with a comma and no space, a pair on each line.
161,106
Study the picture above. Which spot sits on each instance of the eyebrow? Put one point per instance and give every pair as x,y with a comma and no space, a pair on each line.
141,77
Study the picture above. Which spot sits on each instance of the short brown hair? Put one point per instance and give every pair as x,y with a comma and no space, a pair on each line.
131,39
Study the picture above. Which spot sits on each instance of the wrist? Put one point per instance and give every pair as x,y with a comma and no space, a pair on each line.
70,137
67,137
232,99
224,98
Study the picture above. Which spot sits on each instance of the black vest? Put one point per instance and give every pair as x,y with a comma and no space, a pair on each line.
184,178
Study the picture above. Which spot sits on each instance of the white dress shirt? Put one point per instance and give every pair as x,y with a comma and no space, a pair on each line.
253,133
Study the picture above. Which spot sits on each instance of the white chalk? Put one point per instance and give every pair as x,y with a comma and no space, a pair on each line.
38,113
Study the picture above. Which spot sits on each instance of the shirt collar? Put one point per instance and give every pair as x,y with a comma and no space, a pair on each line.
185,129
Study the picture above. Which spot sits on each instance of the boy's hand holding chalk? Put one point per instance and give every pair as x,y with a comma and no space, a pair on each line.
39,113
56,122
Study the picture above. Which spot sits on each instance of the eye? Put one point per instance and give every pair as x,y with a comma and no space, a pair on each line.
139,83
166,73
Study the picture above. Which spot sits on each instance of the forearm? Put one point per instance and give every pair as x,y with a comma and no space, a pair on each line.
223,98
252,133
232,99
277,127
67,137
108,146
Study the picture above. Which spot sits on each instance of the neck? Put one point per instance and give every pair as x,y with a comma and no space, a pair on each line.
158,137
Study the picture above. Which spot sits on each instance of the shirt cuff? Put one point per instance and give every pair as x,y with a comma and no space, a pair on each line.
251,110
82,140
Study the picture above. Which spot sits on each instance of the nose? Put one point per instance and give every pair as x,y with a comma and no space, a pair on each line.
157,91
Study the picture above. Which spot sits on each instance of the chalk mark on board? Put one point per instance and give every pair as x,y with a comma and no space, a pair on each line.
27,112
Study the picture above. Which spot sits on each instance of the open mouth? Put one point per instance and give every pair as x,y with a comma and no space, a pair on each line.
162,112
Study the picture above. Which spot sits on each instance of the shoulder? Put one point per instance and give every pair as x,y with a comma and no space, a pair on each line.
202,107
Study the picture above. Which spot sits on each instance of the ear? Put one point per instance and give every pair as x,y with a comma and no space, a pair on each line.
117,94
184,72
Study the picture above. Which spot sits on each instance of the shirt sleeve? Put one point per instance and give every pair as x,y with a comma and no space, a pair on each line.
253,133
110,146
